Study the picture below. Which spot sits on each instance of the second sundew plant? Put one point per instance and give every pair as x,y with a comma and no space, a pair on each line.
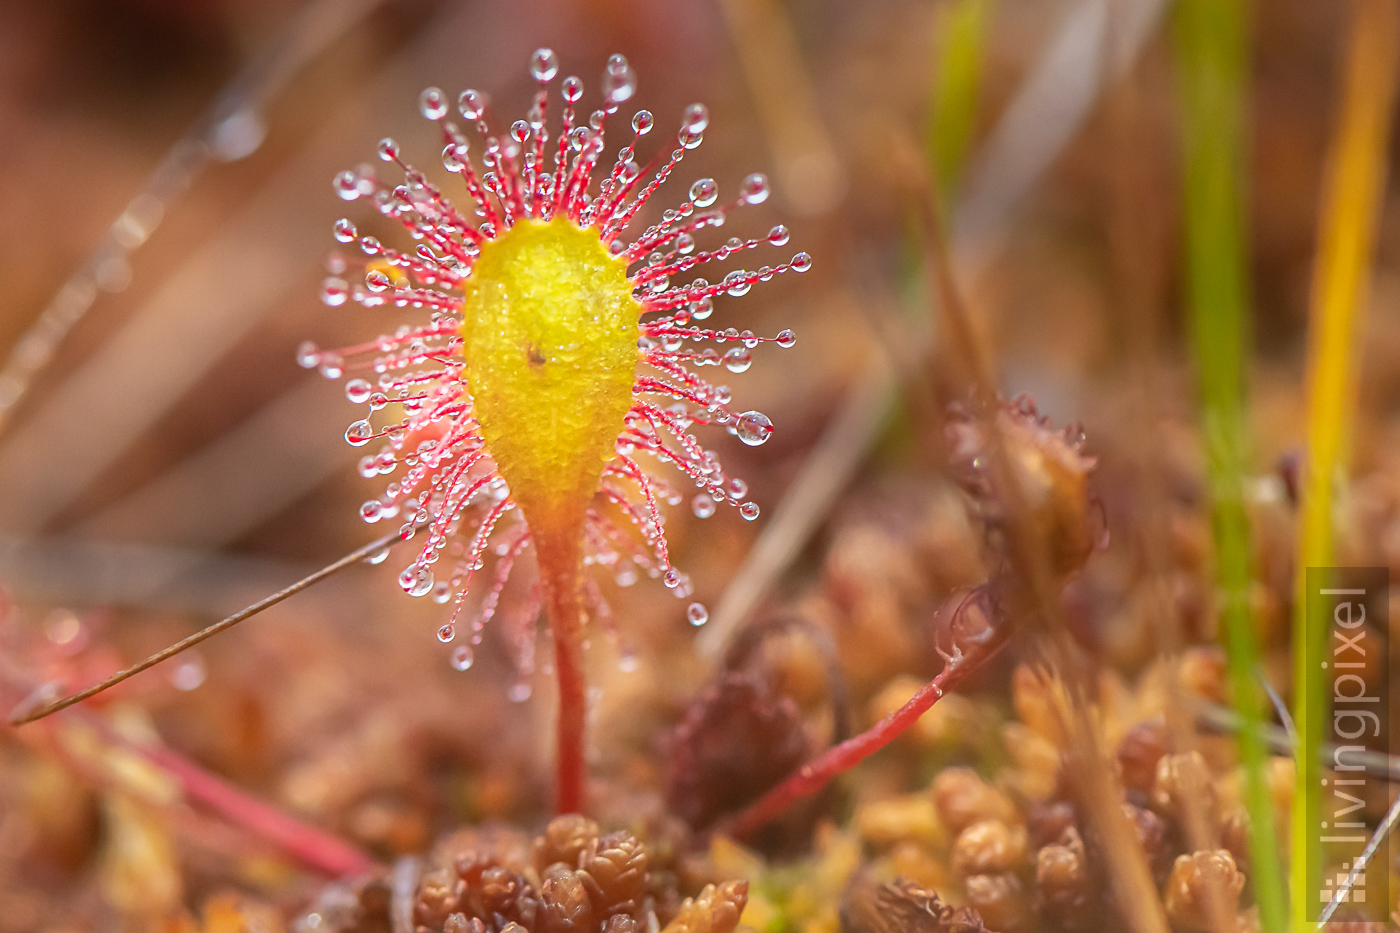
555,351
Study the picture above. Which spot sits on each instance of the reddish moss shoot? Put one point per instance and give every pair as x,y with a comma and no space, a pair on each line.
556,351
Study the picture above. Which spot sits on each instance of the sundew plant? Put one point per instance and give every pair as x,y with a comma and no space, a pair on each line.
557,350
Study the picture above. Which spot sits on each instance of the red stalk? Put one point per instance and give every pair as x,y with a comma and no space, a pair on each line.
561,573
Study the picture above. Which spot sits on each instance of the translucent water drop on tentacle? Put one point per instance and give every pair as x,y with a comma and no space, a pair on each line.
619,81
785,339
454,157
573,89
358,391
801,262
544,65
755,189
753,428
738,284
359,433
696,118
446,633
416,581
442,592
376,281
520,131
432,103
704,192
379,556
345,231
642,122
737,359
471,103
778,236
672,579
462,657
372,511
332,366
703,506
334,292
388,149
346,185
702,308
689,139
737,489
697,614
749,511
747,338
308,355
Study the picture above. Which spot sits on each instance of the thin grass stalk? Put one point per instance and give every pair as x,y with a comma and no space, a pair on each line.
1351,199
959,30
1212,55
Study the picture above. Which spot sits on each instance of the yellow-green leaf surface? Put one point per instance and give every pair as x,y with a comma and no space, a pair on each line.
550,326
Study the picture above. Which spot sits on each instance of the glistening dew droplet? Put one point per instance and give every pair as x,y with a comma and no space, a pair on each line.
753,428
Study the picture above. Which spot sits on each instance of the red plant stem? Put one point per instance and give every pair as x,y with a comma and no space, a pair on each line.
310,846
314,848
817,773
561,572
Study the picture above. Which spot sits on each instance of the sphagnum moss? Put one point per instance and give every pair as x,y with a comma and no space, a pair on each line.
556,351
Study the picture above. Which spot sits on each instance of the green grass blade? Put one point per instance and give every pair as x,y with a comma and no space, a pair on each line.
1211,62
959,27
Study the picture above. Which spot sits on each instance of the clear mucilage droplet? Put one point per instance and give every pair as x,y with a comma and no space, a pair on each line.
696,118
359,433
619,81
704,192
755,189
544,65
753,428
416,581
697,614
432,103
472,103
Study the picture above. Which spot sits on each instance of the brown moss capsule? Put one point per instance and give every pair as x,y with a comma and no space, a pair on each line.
989,847
1001,902
564,840
1194,881
902,906
1182,781
1048,467
1064,888
716,910
963,798
565,906
438,893
1138,753
1047,822
615,872
491,890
